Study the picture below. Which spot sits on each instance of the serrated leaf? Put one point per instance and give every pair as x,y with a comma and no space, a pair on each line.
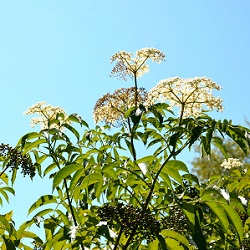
234,218
73,130
27,234
109,170
49,168
41,159
175,164
238,136
43,200
28,136
218,210
175,235
65,172
4,177
32,145
91,179
5,223
75,179
189,211
218,142
153,245
172,244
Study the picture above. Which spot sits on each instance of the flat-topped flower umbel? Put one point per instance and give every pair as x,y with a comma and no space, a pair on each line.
46,113
126,65
190,95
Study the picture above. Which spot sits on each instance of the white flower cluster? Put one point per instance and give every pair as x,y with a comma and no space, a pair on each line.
231,163
126,65
190,95
112,107
225,194
243,200
72,232
46,113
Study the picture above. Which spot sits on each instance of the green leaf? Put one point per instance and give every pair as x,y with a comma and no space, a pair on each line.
28,136
32,145
8,243
198,236
50,168
109,171
65,172
75,179
23,227
27,234
175,164
245,182
41,159
129,145
195,134
175,235
171,168
167,179
43,200
234,218
4,177
238,136
91,179
218,142
153,245
5,223
73,130
172,244
76,118
189,211
218,210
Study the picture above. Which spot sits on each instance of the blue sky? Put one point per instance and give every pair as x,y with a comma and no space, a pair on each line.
58,51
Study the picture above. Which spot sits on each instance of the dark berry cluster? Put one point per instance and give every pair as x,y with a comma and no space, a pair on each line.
133,220
189,190
176,220
14,159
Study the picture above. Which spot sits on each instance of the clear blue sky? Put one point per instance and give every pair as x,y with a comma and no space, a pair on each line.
58,51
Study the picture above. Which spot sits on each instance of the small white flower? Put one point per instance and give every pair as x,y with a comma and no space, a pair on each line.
225,194
72,232
70,216
138,112
143,167
38,220
231,163
247,135
101,223
46,113
112,233
243,200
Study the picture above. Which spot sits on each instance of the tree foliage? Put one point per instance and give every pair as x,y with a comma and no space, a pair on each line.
206,166
126,187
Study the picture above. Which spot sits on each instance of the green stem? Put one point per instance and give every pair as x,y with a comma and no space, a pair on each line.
172,153
67,190
182,113
136,90
4,170
118,238
132,140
